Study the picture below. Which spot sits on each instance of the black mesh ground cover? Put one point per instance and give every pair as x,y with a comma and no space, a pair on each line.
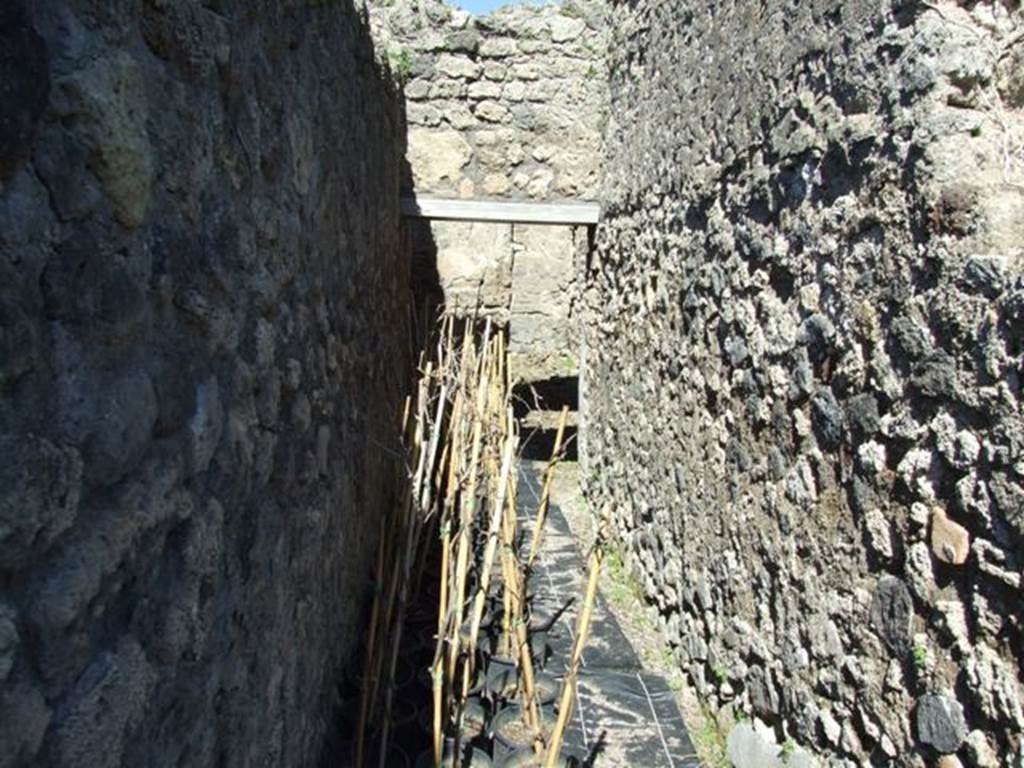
624,716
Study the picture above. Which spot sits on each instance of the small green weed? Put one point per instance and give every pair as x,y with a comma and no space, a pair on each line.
571,10
710,741
788,748
668,657
401,64
920,657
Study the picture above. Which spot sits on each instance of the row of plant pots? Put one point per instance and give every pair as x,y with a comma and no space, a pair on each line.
491,729
492,734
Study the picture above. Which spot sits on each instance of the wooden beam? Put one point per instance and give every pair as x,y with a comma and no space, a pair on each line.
507,212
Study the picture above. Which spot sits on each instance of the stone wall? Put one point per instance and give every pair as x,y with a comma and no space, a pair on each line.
508,105
511,105
202,304
804,331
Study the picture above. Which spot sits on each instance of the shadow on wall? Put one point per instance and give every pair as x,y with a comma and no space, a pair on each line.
423,306
427,291
203,349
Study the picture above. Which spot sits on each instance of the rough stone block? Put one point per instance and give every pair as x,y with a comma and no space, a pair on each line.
109,698
750,748
498,47
123,422
26,74
484,90
564,28
40,489
24,719
474,265
437,156
940,722
111,100
892,611
458,67
951,543
491,111
463,41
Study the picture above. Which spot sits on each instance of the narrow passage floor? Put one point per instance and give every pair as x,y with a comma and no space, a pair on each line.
624,715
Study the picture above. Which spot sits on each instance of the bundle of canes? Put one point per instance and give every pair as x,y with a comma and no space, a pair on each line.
427,439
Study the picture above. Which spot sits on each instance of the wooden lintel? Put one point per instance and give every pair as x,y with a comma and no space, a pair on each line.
503,211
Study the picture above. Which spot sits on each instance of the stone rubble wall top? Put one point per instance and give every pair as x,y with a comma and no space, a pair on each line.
508,105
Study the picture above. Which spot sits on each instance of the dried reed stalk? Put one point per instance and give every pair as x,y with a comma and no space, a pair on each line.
454,465
507,563
466,523
493,532
371,643
582,630
545,497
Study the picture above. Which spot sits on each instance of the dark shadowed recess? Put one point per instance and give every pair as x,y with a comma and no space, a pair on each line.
545,399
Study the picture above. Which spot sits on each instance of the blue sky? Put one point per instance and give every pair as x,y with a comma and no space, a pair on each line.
486,6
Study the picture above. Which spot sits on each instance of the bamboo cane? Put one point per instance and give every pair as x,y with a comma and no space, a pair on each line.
396,639
437,688
443,613
468,515
371,644
582,630
516,586
529,696
384,620
449,501
427,482
410,527
492,544
508,543
545,497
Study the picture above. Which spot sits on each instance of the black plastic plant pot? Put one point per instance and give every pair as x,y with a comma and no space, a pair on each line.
417,646
420,618
496,594
405,723
425,759
540,650
405,673
396,757
502,679
546,688
527,758
486,639
511,733
471,758
475,719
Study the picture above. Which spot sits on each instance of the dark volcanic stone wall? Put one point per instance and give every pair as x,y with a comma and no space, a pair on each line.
201,309
804,359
